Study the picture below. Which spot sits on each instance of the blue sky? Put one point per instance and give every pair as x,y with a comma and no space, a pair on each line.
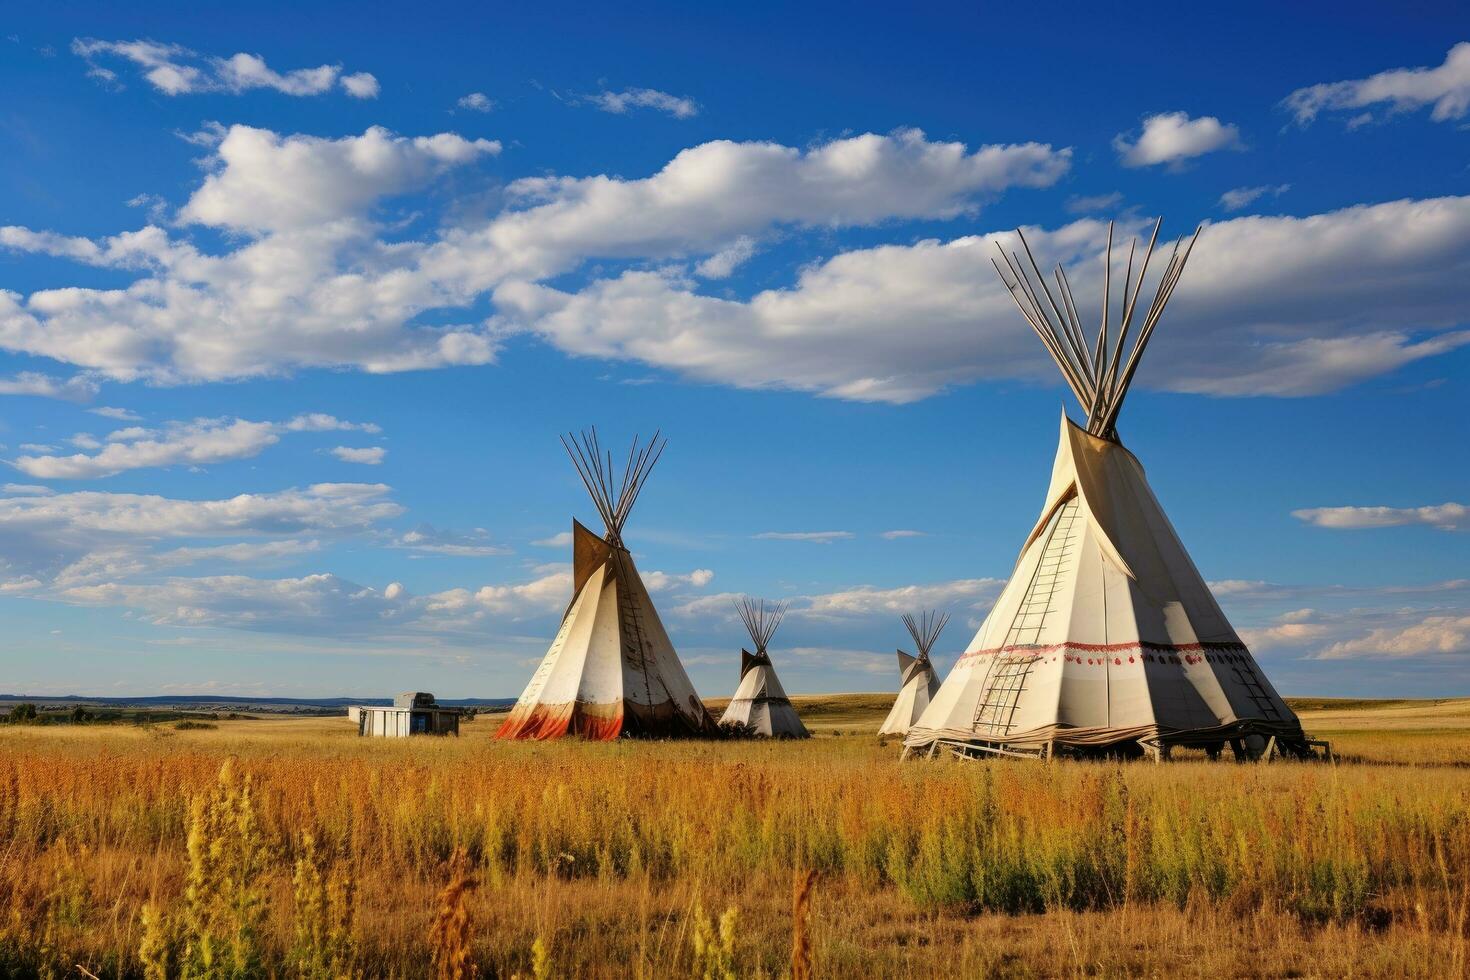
295,300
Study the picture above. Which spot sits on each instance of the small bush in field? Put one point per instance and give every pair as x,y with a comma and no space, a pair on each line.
714,949
324,947
224,899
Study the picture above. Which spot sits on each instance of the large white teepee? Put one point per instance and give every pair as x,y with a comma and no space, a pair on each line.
1106,636
611,670
760,705
918,681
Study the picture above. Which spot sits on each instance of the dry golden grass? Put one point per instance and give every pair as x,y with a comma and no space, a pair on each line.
659,859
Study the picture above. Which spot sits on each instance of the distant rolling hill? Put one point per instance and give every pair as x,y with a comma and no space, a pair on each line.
233,702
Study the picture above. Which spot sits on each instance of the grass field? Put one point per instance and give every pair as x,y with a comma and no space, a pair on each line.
291,847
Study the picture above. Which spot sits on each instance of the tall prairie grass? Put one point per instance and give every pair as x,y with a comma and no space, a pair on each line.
302,851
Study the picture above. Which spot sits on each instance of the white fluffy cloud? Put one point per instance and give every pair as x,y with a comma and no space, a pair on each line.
709,195
360,85
678,106
320,508
88,536
131,561
1270,305
310,282
663,581
263,182
1171,137
311,604
1445,87
1279,306
1435,635
1446,517
195,443
476,102
175,70
119,550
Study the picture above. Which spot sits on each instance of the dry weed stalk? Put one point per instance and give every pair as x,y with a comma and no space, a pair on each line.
449,938
801,912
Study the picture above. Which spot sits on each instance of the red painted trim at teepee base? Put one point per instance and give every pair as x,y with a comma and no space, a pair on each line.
573,718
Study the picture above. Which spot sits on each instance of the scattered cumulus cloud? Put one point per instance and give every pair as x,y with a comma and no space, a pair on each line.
1084,204
1257,591
476,102
1445,87
973,594
559,540
260,182
305,278
895,535
1435,635
322,604
1445,517
195,443
116,414
1243,197
619,103
663,581
60,539
1282,306
1172,137
360,85
366,455
429,540
723,263
1274,306
319,508
77,388
175,70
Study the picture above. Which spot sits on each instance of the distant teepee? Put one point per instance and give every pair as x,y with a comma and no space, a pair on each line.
760,705
611,670
916,674
1106,637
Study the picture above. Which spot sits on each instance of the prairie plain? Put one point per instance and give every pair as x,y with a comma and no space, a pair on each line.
290,847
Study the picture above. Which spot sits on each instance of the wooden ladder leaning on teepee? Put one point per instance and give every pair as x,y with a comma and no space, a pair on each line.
1010,668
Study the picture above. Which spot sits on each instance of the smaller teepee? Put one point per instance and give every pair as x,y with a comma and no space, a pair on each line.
760,705
916,674
612,670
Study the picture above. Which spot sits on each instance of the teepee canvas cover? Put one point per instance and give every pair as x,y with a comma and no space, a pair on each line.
917,678
611,670
760,705
1106,635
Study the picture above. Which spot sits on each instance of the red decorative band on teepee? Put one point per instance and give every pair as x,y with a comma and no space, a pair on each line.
1175,653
